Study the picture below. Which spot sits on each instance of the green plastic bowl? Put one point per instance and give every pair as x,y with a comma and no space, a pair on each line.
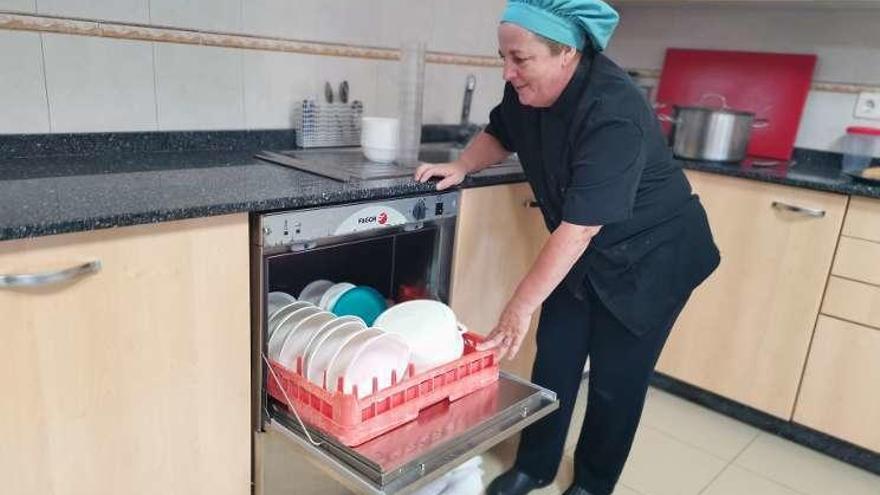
364,302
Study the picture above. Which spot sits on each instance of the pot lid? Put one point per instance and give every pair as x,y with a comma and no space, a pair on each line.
864,131
714,110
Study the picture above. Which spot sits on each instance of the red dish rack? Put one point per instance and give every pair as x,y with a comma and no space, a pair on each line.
353,421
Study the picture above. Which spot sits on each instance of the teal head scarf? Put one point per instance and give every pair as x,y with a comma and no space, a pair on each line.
565,21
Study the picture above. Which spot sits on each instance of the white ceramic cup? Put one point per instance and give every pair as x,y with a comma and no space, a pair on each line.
379,138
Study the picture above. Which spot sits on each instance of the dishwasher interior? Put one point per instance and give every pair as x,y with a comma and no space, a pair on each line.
402,248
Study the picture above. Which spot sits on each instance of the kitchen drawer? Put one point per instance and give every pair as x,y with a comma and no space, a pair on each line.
839,391
853,301
863,219
857,259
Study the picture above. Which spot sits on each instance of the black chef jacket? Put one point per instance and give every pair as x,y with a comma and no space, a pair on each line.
597,156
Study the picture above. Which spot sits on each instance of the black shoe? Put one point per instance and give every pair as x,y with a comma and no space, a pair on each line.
514,482
575,490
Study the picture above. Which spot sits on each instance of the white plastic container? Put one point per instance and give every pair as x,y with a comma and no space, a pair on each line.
860,146
379,138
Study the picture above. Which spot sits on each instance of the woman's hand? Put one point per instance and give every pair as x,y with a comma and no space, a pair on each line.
451,174
509,332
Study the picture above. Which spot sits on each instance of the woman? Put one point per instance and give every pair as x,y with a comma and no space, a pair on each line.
629,239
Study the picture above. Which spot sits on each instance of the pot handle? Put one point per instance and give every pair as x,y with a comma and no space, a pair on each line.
662,117
760,124
707,96
462,329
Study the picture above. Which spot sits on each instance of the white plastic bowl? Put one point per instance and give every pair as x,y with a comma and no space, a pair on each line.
429,328
380,155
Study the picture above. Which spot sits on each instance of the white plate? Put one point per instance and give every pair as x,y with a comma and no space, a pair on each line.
285,326
326,349
272,322
379,357
429,328
322,332
333,294
299,336
276,301
347,350
314,290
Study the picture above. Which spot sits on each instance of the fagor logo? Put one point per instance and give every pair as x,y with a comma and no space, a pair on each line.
381,219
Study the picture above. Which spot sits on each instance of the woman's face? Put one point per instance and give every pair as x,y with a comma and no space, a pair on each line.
538,76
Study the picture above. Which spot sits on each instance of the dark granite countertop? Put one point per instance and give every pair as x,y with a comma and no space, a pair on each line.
802,173
52,195
88,183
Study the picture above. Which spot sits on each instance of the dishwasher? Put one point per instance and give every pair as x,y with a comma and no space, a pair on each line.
400,247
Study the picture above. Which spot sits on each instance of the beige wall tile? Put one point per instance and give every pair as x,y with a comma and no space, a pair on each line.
662,465
23,104
717,434
99,84
198,87
737,481
473,33
273,84
805,470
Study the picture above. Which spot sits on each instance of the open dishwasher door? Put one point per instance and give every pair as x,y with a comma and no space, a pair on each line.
405,459
398,247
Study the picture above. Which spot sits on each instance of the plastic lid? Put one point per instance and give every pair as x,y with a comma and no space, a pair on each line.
866,131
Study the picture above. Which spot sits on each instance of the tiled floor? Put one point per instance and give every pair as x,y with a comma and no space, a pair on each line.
683,449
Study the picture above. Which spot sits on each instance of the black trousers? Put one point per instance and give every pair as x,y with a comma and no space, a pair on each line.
621,365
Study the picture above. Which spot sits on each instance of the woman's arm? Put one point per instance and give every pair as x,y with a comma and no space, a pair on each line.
484,150
567,243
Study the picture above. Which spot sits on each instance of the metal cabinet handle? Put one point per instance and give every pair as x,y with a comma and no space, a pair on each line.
49,278
531,203
810,212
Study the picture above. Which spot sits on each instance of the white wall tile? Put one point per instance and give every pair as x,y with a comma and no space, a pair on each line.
467,26
19,5
337,21
199,87
110,10
444,93
212,15
405,20
99,84
23,106
273,83
825,119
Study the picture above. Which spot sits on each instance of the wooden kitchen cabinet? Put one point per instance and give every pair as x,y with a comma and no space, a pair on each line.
839,391
134,379
497,239
746,331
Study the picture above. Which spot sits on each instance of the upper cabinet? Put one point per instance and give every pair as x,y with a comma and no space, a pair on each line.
130,373
746,331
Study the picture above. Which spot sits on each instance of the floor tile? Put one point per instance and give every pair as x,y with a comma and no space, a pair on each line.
805,470
661,465
693,424
738,481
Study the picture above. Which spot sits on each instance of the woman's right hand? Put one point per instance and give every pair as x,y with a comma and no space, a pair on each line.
451,174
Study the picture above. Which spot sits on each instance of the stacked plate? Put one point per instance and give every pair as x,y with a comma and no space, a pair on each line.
335,350
345,299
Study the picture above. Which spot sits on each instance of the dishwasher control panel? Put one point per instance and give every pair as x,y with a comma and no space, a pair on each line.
301,227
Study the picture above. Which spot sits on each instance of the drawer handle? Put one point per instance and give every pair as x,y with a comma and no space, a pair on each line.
810,212
531,203
49,278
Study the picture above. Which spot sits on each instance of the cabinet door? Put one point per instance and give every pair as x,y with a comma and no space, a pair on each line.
497,239
745,332
839,392
134,379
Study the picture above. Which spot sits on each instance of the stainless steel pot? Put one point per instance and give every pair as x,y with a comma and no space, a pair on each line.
713,134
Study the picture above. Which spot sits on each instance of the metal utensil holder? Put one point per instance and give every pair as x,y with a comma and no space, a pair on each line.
320,125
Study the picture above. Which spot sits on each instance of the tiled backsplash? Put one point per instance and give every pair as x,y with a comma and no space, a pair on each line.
68,83
65,83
